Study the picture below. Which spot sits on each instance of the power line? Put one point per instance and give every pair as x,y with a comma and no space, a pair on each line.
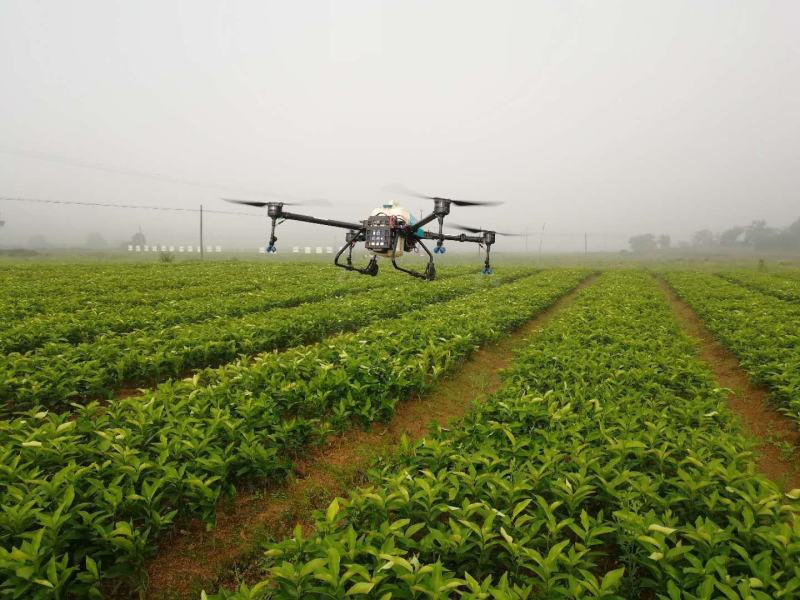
590,234
84,164
136,206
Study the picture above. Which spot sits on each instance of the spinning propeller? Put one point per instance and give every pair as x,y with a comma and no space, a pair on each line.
259,204
399,189
476,230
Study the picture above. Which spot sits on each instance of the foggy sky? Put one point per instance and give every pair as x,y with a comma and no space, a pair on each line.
608,117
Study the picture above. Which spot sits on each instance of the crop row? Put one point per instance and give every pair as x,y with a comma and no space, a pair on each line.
48,289
606,467
37,289
97,277
768,283
119,306
61,374
762,331
63,328
85,496
791,273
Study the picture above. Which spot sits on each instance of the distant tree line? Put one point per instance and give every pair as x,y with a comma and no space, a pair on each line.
94,241
758,236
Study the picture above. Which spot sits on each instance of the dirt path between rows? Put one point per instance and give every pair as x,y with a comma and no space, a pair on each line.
193,559
777,436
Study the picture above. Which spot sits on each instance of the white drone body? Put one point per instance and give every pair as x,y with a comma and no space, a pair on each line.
402,215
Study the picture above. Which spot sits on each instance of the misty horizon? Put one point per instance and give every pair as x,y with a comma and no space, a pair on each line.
606,120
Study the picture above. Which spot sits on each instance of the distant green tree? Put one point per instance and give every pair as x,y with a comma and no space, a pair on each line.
788,239
703,238
664,242
732,236
39,242
759,235
138,239
793,234
641,244
95,241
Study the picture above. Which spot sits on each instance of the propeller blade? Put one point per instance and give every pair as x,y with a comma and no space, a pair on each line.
247,202
474,203
401,189
465,228
309,202
476,230
397,188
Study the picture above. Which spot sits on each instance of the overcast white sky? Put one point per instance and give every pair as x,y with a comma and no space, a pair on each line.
607,117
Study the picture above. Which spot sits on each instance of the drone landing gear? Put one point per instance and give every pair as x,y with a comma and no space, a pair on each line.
271,248
430,272
370,269
487,267
430,269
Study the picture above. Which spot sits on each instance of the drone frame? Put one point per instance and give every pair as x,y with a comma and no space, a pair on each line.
411,235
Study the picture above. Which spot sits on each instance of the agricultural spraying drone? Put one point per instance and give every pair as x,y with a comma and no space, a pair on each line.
388,232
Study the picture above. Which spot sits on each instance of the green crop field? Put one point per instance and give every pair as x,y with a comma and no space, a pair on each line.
140,400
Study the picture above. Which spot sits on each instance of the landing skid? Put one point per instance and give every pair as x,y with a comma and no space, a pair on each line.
370,269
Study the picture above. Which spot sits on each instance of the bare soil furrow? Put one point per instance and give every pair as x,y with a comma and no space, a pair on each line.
777,437
194,559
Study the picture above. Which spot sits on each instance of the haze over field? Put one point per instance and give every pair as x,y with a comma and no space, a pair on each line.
608,118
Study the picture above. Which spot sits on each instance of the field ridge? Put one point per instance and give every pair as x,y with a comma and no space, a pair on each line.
196,557
749,401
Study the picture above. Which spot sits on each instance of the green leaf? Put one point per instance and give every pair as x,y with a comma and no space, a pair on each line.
612,579
91,566
25,572
662,529
362,587
520,507
333,510
505,535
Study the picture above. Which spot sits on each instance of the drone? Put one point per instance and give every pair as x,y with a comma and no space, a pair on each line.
388,232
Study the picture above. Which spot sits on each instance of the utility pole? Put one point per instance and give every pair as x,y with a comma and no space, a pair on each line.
202,248
526,239
541,239
585,243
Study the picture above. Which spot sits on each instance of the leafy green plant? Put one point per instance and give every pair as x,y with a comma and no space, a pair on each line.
761,330
777,285
608,466
60,373
135,465
118,311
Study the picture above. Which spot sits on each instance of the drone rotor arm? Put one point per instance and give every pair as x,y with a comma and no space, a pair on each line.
317,221
461,237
